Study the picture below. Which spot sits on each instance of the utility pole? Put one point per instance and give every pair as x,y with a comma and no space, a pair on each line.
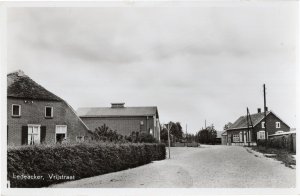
248,125
186,134
168,128
265,113
205,124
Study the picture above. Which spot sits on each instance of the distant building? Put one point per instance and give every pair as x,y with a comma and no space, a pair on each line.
35,115
224,139
123,119
238,134
218,139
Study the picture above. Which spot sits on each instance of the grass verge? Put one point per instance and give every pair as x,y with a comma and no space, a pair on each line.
281,155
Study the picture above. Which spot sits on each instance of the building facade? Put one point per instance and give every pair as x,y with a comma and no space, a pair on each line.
239,134
35,115
124,120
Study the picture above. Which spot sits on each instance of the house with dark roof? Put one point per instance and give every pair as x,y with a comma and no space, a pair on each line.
123,119
239,134
35,115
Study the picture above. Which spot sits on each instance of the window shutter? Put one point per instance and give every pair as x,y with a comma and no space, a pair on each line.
24,135
43,134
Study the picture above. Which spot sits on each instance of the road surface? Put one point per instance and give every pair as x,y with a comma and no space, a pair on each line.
203,167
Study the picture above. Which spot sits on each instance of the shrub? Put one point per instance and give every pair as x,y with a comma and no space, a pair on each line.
104,133
279,142
76,161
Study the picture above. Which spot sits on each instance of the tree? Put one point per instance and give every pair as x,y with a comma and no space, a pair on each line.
176,133
164,134
227,125
207,135
190,138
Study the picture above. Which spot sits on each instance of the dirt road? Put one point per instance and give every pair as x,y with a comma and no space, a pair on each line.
204,167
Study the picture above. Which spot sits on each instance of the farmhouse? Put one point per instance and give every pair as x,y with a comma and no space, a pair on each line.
35,115
238,133
123,119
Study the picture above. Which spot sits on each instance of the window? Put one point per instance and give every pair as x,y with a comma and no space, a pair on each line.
261,135
262,124
48,112
236,138
34,134
277,124
16,110
60,133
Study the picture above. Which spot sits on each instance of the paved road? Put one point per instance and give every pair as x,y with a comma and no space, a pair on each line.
204,167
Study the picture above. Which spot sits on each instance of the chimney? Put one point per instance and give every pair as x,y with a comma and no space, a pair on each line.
258,110
117,105
20,73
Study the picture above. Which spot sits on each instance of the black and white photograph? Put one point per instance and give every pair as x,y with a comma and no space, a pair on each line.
111,95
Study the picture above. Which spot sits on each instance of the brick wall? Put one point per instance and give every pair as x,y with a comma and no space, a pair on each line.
34,113
123,125
271,125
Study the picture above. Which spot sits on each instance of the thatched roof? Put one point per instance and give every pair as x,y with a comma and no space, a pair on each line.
20,85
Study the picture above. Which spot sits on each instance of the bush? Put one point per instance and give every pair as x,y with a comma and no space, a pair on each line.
76,161
279,142
104,133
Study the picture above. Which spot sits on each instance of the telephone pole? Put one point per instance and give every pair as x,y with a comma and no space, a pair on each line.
265,113
169,142
186,134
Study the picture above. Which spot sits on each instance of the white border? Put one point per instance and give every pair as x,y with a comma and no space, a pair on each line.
51,111
12,110
126,191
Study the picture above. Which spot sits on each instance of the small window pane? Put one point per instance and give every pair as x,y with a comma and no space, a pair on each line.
277,124
48,111
16,110
33,134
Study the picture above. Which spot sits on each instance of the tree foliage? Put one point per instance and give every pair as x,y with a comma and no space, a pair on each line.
191,138
176,132
207,135
227,125
104,133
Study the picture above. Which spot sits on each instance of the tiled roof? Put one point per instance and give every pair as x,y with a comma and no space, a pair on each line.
20,85
241,122
110,112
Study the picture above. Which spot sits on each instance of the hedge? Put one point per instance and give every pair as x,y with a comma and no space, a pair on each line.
75,161
280,142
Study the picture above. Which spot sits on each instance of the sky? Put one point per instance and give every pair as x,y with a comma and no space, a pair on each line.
193,63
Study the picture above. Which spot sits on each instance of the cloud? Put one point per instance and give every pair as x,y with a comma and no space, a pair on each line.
194,63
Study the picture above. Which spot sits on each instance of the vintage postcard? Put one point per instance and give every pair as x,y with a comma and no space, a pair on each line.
140,97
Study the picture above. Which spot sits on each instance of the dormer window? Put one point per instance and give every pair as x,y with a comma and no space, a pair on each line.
48,112
16,110
277,124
